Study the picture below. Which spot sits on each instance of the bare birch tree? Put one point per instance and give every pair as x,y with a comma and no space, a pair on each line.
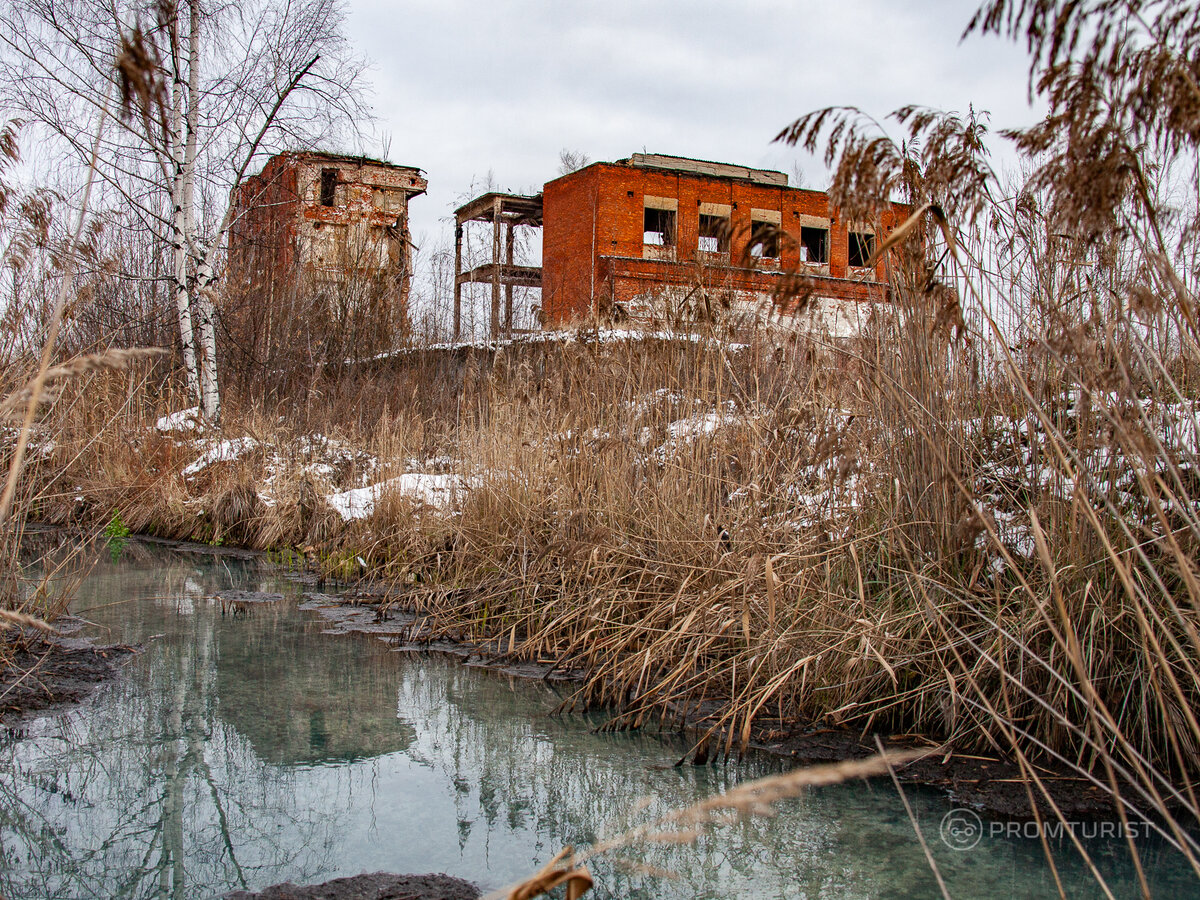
210,88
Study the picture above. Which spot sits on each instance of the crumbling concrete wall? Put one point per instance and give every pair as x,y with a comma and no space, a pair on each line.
322,221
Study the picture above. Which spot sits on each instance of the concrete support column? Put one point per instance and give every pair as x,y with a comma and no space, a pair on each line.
458,236
508,288
494,323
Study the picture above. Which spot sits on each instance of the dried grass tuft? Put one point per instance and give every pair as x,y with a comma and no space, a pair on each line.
682,826
13,407
12,619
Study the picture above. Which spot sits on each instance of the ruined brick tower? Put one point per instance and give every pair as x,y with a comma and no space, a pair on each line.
326,223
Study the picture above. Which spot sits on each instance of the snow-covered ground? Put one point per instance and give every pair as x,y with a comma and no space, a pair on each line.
183,420
326,462
600,336
220,451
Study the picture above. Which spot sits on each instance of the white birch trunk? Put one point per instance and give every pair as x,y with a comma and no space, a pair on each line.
210,395
179,229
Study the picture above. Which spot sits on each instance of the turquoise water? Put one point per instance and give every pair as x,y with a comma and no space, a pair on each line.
245,750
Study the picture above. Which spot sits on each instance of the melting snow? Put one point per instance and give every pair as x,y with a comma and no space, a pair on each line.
700,425
184,420
435,490
222,452
602,336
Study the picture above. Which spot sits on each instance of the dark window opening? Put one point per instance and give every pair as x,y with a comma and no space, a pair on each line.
862,248
764,240
328,185
714,234
659,227
814,245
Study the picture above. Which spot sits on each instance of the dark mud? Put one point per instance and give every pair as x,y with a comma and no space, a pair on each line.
989,784
378,886
407,633
240,601
37,674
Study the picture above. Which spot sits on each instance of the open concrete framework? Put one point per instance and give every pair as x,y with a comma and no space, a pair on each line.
505,212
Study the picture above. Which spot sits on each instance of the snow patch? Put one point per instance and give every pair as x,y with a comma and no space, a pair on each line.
225,451
183,420
601,336
701,425
439,491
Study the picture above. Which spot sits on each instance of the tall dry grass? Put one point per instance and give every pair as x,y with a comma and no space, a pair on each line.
978,522
783,536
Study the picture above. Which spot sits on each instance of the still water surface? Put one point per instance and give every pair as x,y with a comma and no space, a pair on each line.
242,751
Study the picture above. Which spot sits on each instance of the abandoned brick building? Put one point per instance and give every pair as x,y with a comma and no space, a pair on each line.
325,220
632,236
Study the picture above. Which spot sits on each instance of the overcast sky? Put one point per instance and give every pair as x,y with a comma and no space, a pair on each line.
464,87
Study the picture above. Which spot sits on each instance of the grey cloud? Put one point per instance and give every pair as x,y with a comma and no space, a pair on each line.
467,87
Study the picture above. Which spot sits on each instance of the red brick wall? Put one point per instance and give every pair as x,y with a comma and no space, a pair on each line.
262,238
608,201
569,214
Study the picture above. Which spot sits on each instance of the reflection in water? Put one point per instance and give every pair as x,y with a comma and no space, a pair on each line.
296,703
149,791
251,749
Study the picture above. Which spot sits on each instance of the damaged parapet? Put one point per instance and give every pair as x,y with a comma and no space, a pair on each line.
326,221
505,212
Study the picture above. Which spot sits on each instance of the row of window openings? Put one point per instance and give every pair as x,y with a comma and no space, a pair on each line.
659,230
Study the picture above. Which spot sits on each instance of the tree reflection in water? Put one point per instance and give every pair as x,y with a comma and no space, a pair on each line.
179,779
250,749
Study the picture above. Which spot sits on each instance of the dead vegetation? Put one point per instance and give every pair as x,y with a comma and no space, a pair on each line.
847,540
978,523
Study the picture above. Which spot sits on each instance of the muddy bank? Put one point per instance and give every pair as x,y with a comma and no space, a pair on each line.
359,613
37,674
378,886
989,784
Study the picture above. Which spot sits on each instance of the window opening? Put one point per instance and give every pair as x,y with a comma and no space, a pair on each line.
764,239
714,233
862,248
659,227
814,245
328,185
